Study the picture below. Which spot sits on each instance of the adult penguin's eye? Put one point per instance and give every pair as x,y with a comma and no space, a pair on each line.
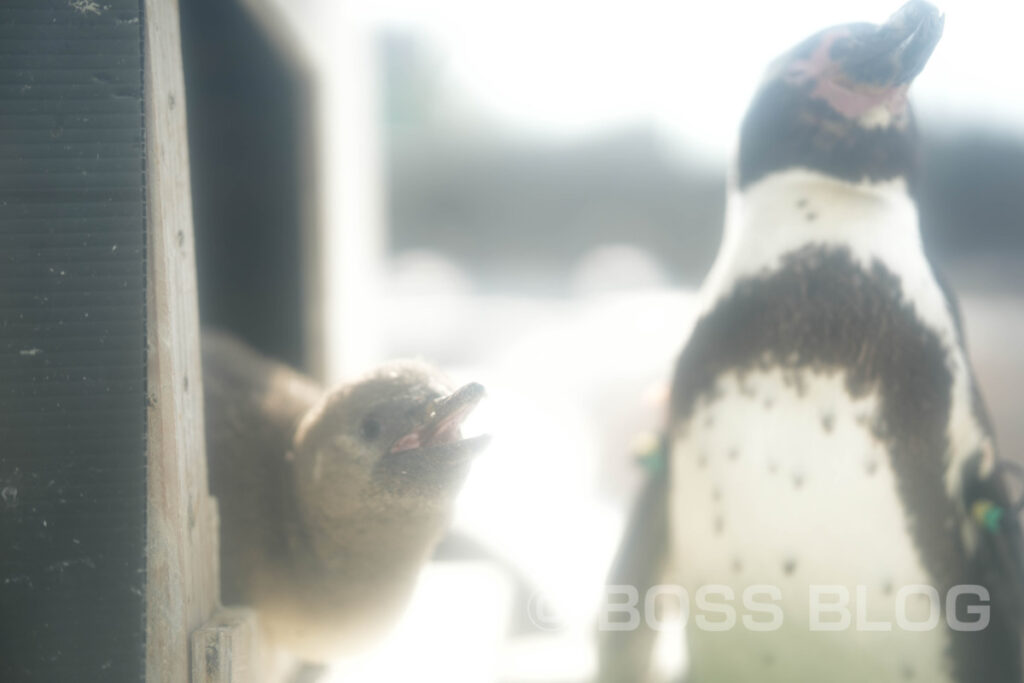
369,429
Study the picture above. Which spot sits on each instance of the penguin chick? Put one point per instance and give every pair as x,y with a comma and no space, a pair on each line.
330,502
825,429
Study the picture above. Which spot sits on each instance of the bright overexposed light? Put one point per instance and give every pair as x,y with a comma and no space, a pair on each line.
531,494
455,624
569,387
572,67
617,267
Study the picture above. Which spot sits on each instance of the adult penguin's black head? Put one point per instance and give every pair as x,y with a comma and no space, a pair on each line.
837,102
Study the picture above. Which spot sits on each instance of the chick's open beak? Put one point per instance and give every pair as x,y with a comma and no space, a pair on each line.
433,456
434,452
443,420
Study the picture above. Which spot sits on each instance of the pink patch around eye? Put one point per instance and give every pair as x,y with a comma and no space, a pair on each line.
816,65
855,103
850,102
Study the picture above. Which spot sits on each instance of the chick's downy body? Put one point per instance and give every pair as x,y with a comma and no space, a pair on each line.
330,501
825,433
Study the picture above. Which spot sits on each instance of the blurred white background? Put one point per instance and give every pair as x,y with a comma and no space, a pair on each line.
574,68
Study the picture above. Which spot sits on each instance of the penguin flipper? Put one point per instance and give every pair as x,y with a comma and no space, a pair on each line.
998,553
625,655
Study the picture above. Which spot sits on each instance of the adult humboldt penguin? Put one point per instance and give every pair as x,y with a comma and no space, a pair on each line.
830,472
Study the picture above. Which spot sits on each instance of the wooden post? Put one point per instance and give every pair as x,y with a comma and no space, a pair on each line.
226,649
108,544
182,567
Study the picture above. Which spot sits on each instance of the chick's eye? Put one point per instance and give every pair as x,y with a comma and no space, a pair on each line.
369,429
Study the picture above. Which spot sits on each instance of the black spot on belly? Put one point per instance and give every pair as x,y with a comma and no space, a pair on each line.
719,525
789,566
798,481
811,216
734,453
737,565
871,467
801,203
828,422
792,379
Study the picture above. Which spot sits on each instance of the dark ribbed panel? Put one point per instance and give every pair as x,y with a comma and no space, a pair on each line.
72,341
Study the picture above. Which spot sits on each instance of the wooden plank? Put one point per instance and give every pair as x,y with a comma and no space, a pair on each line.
183,583
226,649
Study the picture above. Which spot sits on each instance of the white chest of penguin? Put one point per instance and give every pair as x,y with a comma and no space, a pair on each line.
783,493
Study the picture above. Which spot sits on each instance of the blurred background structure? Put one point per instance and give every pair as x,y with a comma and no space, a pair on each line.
528,194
